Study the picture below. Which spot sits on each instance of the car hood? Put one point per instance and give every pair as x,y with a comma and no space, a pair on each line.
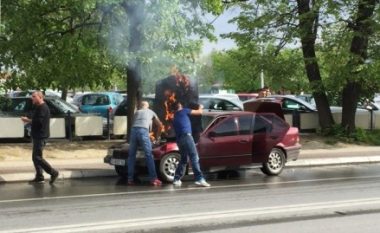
258,106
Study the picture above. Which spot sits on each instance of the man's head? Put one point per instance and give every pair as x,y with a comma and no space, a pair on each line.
37,98
144,104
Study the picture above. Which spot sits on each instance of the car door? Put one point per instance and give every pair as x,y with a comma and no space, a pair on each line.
268,131
224,144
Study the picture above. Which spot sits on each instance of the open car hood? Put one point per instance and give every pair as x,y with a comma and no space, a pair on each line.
258,106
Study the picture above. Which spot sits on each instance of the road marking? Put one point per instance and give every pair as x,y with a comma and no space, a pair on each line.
316,208
175,189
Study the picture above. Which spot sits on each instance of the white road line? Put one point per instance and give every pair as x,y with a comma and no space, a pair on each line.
205,217
184,189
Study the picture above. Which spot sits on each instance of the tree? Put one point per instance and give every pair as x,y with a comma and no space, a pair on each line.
304,23
70,44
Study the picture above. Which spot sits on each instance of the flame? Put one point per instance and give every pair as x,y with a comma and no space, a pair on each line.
169,113
182,79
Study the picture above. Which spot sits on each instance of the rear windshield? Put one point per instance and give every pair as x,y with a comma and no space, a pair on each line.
96,99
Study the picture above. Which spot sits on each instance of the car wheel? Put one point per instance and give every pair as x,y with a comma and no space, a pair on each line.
168,165
122,171
275,164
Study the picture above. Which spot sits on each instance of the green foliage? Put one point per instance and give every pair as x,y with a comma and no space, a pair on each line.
72,44
360,136
240,69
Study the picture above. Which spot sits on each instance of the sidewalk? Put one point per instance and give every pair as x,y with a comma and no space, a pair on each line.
23,170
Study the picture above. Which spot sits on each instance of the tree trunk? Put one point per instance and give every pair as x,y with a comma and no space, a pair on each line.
64,94
308,21
352,90
135,12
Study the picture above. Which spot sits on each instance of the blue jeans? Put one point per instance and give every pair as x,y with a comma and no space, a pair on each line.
140,136
187,148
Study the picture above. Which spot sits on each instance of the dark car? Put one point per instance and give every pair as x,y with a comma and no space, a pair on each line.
229,140
289,103
121,109
220,103
23,106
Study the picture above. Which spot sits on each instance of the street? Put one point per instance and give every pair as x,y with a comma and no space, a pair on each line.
338,198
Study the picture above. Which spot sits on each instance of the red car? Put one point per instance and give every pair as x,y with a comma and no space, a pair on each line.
228,141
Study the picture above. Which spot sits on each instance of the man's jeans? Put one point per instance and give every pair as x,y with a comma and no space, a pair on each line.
38,161
140,136
187,148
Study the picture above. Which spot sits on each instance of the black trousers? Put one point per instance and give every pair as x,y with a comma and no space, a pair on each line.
39,162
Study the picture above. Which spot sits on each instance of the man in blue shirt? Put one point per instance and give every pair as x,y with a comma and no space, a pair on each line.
186,145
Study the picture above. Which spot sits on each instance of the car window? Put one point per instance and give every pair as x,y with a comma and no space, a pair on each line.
245,123
61,106
95,99
261,125
290,105
228,127
53,110
19,105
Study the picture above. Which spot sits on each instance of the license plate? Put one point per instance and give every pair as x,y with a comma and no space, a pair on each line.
119,162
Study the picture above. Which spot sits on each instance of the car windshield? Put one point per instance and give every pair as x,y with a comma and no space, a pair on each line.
64,106
96,99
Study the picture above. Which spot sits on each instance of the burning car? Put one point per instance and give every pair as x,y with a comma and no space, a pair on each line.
228,141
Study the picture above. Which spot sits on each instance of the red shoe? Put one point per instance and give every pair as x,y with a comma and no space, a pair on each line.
131,183
156,182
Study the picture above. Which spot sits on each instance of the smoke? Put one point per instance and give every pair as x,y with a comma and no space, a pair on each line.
165,40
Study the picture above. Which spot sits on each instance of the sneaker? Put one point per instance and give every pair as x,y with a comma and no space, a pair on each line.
202,183
131,182
156,182
177,182
37,181
54,177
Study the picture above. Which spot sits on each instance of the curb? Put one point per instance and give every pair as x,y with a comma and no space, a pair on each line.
88,173
333,161
63,175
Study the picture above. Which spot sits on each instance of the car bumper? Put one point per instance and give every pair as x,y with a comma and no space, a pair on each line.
293,152
116,158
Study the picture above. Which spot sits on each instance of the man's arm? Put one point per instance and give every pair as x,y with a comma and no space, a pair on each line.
159,126
26,119
197,111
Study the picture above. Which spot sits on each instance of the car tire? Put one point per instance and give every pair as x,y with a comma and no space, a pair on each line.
168,165
122,171
275,164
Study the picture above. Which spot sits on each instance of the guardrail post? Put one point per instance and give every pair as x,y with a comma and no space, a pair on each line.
70,133
371,119
296,119
108,125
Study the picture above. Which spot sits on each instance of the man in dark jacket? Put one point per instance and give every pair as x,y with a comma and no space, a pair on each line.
40,131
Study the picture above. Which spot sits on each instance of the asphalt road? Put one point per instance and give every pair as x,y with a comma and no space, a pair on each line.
342,199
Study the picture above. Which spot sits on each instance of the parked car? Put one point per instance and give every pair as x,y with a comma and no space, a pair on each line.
289,103
23,106
121,109
307,98
247,96
229,140
101,103
220,103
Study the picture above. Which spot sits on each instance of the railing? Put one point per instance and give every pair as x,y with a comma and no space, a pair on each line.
81,126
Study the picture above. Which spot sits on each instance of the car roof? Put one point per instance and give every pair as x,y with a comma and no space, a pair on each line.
279,98
232,100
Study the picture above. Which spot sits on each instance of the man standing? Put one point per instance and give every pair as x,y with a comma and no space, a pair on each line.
186,145
140,136
40,131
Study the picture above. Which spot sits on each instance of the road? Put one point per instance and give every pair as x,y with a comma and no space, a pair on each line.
341,198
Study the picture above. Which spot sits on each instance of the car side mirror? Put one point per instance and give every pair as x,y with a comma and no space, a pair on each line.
212,134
